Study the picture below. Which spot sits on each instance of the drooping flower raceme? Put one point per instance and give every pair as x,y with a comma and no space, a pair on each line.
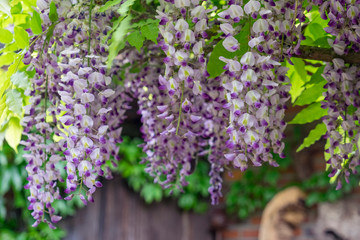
68,122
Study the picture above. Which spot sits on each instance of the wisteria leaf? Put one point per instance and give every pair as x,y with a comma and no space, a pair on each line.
118,39
13,133
124,8
313,93
21,37
135,39
108,4
5,36
150,31
20,80
310,113
53,15
14,101
36,23
314,135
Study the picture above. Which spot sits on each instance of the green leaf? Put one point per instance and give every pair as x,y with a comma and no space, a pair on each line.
20,80
118,39
313,93
314,135
14,101
135,39
310,113
316,77
108,4
13,133
53,15
16,179
5,182
151,192
5,36
124,8
150,32
7,58
21,37
215,65
16,9
187,201
36,23
298,77
313,198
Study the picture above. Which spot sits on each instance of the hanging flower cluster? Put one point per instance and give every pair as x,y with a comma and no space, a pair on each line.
73,122
342,89
342,131
254,83
74,117
344,19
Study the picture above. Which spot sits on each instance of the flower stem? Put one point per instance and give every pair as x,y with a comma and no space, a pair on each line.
180,108
89,42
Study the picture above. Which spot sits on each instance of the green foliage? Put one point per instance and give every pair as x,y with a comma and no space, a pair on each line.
12,101
15,218
5,36
109,4
36,23
314,89
20,15
255,189
314,135
309,114
53,15
130,169
150,31
20,80
135,39
215,66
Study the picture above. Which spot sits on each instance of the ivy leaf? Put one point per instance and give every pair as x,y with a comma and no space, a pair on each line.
150,32
36,23
135,39
108,4
314,135
53,15
124,8
5,36
13,133
21,37
14,101
310,113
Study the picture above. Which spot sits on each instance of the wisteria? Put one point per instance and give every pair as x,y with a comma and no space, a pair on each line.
75,115
78,99
342,88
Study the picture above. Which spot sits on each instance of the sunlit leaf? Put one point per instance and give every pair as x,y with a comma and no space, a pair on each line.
314,135
310,113
36,23
5,36
13,133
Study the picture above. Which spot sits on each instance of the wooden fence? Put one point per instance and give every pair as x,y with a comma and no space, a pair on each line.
120,214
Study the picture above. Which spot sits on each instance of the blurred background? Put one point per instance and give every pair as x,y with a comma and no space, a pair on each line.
300,202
